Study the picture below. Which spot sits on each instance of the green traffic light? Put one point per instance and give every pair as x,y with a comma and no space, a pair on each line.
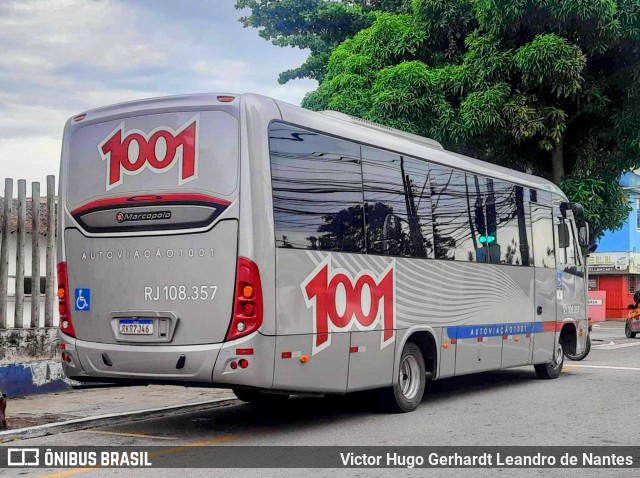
486,239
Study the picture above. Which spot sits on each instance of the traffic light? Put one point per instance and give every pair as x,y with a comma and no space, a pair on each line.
486,240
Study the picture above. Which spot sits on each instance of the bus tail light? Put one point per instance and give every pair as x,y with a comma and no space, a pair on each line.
64,307
247,308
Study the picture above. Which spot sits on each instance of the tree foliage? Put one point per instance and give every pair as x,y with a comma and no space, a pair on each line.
317,25
545,86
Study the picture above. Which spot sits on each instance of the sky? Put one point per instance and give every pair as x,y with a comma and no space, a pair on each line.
62,57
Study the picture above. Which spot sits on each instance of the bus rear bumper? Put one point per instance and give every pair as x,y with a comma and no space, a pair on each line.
209,364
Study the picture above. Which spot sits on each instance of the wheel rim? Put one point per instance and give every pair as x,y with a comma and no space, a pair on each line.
557,360
627,329
409,377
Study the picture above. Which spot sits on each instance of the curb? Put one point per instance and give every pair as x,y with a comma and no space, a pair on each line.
110,419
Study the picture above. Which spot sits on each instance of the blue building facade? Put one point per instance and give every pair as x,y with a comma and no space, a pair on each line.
615,266
628,238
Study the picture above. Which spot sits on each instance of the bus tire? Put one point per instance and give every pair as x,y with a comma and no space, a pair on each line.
406,395
628,332
585,352
552,369
258,398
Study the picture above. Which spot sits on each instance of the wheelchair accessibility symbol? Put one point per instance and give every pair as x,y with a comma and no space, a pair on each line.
83,299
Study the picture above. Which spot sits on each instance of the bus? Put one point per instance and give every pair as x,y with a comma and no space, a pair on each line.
241,242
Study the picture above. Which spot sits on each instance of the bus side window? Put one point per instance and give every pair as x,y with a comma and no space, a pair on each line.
317,190
458,214
397,204
543,242
512,224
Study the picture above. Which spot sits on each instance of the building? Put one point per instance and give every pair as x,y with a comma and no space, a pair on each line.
13,239
614,269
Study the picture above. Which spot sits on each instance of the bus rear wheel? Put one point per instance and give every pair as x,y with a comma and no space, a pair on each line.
259,398
552,369
406,394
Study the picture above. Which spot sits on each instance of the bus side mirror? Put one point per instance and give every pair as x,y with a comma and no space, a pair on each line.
583,235
563,235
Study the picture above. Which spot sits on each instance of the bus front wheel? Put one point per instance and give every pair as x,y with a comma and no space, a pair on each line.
552,369
406,394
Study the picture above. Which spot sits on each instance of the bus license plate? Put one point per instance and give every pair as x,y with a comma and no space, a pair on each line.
135,327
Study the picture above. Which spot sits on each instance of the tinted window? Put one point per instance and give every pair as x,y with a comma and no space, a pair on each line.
543,242
317,190
458,214
397,204
512,223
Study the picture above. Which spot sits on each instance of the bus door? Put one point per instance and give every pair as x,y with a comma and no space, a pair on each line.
546,283
570,272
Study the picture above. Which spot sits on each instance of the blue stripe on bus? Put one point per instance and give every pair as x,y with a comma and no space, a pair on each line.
494,330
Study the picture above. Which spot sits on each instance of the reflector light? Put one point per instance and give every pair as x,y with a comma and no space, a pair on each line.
244,351
305,358
248,309
454,341
286,355
445,345
243,363
233,365
353,350
505,337
480,339
80,117
226,99
516,338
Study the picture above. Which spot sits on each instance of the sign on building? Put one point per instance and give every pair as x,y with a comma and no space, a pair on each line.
610,263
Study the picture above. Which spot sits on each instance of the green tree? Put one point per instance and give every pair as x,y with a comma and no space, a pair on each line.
316,25
545,86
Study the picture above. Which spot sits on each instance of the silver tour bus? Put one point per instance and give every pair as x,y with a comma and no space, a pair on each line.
237,241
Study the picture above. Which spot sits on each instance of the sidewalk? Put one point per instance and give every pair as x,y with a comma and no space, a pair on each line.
73,404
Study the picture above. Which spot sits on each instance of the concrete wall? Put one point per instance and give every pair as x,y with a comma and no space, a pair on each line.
29,362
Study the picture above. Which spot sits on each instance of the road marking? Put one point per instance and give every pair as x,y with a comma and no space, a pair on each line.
124,434
616,346
608,367
170,451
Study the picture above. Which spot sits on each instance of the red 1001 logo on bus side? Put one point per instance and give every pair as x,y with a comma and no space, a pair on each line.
128,153
340,302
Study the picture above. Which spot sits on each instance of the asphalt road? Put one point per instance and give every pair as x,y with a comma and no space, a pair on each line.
594,402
